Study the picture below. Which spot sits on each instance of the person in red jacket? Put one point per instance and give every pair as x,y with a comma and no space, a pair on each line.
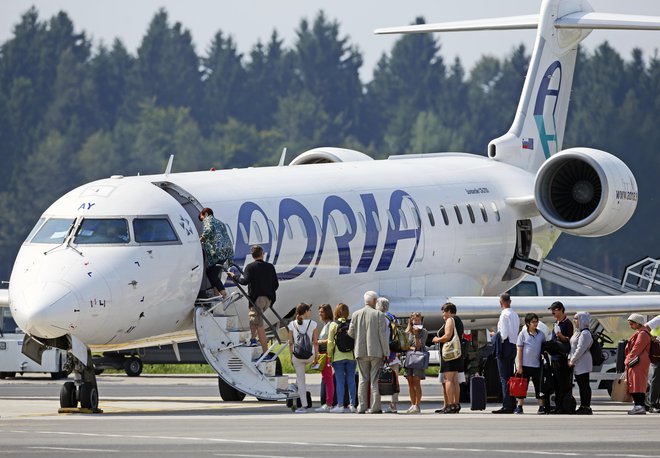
637,362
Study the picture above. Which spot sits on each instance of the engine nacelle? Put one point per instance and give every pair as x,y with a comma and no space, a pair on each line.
327,155
585,192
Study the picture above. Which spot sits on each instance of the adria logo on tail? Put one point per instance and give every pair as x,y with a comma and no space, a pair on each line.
545,92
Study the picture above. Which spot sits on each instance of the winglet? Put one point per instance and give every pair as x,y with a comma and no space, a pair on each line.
168,169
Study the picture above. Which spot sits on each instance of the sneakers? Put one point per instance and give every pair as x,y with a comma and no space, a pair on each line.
518,410
351,409
335,409
584,411
253,343
654,409
414,410
324,408
391,409
637,410
542,410
300,410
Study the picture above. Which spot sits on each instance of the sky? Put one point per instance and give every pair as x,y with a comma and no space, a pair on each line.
248,21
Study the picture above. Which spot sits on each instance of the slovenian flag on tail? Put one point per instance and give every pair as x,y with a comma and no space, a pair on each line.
528,143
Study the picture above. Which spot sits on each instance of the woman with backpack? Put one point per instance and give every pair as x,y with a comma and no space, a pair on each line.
325,314
340,352
304,348
579,358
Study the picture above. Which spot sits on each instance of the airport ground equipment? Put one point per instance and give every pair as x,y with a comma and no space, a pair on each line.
640,276
242,367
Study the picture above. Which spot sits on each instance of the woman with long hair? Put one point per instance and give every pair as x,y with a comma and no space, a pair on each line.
418,335
303,325
342,361
325,314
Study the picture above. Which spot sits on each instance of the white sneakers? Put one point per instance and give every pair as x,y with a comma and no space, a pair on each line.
351,408
413,410
637,410
300,410
324,408
337,409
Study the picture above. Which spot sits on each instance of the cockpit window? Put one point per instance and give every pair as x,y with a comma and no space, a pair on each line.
53,231
153,230
35,229
102,231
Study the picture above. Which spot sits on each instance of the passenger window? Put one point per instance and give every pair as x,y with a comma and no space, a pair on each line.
459,217
363,223
53,231
153,230
287,228
376,220
257,232
484,215
470,213
102,231
496,211
273,232
403,222
430,214
445,218
244,234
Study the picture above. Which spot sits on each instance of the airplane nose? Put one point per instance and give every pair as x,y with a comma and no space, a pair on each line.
48,312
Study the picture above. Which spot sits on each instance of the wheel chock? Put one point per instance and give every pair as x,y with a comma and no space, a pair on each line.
78,410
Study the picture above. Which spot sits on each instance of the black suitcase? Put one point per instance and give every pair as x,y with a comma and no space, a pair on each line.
477,393
621,356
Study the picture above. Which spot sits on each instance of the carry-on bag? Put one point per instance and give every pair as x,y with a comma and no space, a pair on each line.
477,392
518,386
620,390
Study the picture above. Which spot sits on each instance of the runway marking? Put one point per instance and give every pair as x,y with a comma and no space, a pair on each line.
334,445
255,456
68,449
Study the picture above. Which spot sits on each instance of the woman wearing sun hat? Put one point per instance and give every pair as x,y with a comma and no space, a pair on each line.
637,362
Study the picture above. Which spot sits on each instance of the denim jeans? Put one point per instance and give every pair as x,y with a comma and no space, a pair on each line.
505,368
345,373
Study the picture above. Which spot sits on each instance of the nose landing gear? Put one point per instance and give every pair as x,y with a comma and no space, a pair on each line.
83,391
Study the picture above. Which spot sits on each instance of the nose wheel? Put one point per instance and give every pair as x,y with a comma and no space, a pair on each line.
84,391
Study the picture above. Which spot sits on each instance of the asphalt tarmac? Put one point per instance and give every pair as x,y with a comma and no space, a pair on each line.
183,416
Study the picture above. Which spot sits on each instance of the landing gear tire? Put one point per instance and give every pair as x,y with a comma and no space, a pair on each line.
228,393
89,396
133,366
68,395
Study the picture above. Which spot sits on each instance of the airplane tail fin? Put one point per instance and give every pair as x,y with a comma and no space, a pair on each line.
538,128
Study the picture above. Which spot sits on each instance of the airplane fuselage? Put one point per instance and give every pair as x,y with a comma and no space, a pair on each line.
434,226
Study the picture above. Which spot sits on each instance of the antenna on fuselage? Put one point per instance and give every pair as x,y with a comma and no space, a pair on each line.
168,169
282,157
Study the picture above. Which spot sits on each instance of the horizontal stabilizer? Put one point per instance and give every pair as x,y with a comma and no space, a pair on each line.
504,23
579,20
616,21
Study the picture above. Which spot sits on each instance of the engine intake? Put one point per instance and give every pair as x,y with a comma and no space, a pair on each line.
586,192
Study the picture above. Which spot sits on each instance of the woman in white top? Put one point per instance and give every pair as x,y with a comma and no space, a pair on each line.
528,359
303,325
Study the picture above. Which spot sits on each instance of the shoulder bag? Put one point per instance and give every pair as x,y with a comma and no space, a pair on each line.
452,350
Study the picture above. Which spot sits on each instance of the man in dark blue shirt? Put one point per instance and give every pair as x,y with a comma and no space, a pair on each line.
563,374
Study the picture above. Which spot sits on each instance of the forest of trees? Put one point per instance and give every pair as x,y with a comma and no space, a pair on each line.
71,112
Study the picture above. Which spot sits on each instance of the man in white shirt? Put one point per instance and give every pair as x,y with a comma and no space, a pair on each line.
653,398
507,328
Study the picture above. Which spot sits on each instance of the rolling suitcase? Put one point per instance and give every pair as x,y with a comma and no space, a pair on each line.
621,356
477,393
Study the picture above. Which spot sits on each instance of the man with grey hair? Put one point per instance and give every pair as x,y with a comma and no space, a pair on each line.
383,305
369,329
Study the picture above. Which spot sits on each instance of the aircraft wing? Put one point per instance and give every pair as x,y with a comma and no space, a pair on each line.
4,298
478,312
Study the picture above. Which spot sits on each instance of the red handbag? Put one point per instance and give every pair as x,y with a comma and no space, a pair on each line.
518,386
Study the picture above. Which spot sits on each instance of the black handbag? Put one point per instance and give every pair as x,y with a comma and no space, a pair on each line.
387,381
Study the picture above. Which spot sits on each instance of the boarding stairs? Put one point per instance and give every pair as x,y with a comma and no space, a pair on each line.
225,343
639,277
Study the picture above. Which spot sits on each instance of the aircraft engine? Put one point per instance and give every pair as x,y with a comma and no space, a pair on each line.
326,155
585,192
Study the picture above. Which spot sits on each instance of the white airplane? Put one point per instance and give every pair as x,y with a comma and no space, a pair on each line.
117,263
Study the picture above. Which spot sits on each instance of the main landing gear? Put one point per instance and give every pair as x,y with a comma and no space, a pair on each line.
83,390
